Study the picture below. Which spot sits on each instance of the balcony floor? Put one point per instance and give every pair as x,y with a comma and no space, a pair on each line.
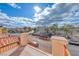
25,51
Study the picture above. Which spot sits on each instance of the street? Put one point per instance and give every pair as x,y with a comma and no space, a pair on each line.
74,50
46,46
43,44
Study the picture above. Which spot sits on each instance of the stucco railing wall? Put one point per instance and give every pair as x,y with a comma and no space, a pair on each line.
59,46
7,42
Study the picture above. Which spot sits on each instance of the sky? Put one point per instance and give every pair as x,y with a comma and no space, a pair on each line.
15,15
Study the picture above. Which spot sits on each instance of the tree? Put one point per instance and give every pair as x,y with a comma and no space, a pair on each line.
54,28
27,29
47,30
35,30
68,30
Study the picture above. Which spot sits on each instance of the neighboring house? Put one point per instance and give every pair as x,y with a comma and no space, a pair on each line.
3,30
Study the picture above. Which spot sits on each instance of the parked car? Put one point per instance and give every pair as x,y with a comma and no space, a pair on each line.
33,43
74,40
44,35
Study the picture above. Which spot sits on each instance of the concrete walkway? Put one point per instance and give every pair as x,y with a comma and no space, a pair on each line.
25,51
8,52
32,51
17,51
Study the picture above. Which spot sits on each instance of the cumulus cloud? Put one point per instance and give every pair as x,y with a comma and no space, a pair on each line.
3,16
41,15
37,9
59,13
14,5
9,21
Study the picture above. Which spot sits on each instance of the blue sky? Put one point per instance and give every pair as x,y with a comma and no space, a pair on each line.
38,14
22,10
25,10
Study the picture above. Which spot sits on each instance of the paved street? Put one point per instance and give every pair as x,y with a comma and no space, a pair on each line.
46,46
74,50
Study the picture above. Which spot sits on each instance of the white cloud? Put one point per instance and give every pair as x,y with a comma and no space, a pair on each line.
39,16
55,5
37,9
46,11
7,21
14,5
21,19
59,13
3,16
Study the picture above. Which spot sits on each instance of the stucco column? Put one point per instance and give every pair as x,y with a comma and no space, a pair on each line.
23,39
59,46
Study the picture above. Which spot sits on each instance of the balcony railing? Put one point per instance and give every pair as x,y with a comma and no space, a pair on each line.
8,43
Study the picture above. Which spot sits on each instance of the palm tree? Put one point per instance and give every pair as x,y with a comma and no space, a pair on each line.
54,28
25,28
35,30
68,30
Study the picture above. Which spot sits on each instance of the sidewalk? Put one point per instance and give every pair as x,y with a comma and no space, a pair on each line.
25,51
